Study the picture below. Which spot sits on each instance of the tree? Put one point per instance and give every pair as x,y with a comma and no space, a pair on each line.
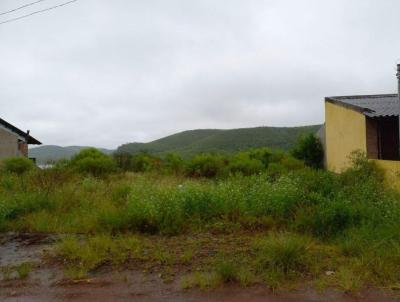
309,149
93,161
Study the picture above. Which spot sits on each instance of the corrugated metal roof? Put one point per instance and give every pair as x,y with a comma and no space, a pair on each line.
371,105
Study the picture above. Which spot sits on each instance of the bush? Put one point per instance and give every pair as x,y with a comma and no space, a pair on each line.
155,211
199,203
173,163
18,165
123,160
205,165
310,150
324,183
332,218
94,162
265,155
144,162
291,164
362,170
243,163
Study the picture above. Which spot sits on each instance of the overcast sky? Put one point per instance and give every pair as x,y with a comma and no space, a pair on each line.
107,72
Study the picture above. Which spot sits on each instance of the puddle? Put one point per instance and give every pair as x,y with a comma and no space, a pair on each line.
46,283
18,248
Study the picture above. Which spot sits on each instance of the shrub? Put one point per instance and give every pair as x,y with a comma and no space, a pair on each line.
142,215
144,162
275,171
362,170
291,164
48,180
242,163
155,211
25,203
205,165
18,165
123,160
279,200
312,181
309,149
93,161
173,163
264,155
198,203
332,218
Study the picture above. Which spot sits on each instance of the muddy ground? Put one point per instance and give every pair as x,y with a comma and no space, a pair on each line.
46,282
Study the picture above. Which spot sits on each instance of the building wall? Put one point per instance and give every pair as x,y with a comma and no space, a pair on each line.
345,132
391,169
23,148
8,144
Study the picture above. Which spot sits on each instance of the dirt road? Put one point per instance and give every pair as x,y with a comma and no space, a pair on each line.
46,283
135,288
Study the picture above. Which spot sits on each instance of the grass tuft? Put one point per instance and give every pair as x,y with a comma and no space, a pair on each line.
284,254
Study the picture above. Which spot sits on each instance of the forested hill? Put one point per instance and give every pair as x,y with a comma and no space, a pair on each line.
216,140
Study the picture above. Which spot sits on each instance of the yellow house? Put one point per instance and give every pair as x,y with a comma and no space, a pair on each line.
369,123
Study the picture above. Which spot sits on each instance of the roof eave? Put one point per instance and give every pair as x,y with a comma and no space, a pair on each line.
335,101
29,139
32,141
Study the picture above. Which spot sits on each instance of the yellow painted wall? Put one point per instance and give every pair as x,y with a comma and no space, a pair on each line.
345,132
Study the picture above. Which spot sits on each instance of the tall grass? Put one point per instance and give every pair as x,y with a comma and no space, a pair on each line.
314,202
353,211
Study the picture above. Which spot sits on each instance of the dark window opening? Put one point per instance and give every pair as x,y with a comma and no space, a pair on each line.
383,138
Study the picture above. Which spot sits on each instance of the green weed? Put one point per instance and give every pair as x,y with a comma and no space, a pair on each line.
24,269
283,254
347,223
227,271
201,280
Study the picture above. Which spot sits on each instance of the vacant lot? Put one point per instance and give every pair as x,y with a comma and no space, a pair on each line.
286,232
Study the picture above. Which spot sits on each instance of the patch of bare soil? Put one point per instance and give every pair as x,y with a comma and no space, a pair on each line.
22,247
46,283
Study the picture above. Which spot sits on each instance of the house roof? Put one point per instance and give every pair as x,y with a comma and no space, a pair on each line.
29,139
370,105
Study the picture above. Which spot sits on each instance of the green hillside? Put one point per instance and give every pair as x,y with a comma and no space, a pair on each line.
191,142
209,140
46,153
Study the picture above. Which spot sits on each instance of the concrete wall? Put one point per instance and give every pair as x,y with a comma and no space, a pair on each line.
8,144
345,132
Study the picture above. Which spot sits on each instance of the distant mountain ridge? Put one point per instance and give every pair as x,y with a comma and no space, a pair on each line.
46,153
190,142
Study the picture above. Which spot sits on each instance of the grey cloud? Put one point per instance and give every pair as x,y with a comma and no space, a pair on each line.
102,72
